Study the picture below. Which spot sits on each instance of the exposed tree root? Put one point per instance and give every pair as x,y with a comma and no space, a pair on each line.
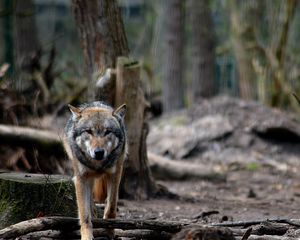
68,228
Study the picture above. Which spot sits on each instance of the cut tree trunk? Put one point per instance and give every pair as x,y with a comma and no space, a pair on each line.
138,182
24,196
102,38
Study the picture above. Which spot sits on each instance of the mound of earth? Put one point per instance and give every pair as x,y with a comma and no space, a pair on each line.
229,132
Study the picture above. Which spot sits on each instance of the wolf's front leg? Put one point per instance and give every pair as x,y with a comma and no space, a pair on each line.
113,182
84,188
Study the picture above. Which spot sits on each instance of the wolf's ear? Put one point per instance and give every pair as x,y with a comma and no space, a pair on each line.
120,111
76,112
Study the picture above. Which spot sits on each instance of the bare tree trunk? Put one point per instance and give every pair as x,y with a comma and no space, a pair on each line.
2,46
242,35
262,66
281,93
26,44
173,91
103,39
203,56
7,33
137,181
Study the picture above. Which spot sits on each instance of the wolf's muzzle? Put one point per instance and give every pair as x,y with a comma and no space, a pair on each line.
99,153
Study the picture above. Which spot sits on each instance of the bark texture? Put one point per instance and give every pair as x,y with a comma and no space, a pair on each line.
24,196
7,35
138,182
26,49
173,89
242,35
26,44
203,55
103,39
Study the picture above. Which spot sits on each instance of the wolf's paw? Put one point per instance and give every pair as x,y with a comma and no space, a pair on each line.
87,238
86,235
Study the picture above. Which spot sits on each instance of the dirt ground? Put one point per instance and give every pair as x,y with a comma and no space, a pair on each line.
246,195
258,149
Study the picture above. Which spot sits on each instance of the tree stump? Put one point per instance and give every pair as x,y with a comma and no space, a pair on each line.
137,182
24,196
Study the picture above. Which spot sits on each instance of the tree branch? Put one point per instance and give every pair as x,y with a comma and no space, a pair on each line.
68,224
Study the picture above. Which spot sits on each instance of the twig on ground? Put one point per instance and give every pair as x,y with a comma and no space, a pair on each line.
256,222
247,234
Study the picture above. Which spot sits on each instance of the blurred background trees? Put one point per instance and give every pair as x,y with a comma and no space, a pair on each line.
203,50
173,91
190,50
262,35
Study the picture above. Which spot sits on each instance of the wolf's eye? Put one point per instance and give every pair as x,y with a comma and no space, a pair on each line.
107,131
88,131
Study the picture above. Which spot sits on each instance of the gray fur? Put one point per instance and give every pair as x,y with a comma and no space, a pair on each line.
74,129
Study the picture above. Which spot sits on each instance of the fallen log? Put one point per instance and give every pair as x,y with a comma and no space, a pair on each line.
39,224
98,233
204,233
264,229
292,222
164,168
270,228
69,224
31,138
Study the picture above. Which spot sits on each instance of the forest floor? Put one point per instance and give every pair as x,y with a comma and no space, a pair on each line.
258,149
246,195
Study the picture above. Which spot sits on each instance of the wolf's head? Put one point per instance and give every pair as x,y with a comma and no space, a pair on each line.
97,134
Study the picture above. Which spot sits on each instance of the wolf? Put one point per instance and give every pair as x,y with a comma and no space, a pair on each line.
96,143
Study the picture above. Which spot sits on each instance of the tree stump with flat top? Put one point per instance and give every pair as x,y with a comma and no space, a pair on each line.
24,196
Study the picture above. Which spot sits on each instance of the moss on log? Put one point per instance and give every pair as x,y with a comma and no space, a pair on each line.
24,196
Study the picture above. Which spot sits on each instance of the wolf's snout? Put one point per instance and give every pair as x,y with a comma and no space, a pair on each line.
99,153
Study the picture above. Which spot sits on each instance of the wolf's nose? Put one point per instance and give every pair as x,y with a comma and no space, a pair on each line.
99,153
